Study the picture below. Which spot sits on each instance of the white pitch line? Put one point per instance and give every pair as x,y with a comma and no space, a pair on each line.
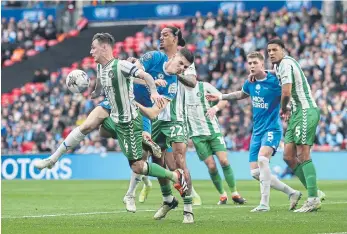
124,211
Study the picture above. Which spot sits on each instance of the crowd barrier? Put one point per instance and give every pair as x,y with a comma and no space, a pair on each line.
114,166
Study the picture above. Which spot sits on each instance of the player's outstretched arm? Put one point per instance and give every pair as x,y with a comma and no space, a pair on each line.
238,95
153,112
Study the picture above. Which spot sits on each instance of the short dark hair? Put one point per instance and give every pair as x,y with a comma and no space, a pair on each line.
277,42
104,38
187,54
177,32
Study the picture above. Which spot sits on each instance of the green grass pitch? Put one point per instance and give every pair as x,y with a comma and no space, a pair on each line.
96,207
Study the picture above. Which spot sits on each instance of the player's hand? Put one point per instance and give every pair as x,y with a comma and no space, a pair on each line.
160,82
212,97
285,115
158,99
132,59
251,78
211,113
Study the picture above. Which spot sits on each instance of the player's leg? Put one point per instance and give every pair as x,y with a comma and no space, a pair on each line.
204,151
135,179
304,124
169,201
130,140
176,137
94,119
217,144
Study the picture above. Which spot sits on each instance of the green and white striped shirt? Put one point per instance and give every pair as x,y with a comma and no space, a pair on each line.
117,82
290,72
196,107
174,111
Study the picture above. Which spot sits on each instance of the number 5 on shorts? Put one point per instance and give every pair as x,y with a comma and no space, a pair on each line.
270,136
222,141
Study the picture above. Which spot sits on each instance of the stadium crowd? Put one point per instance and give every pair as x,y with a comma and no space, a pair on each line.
221,43
22,39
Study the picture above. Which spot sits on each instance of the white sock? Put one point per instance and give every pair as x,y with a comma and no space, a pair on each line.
146,181
71,141
275,182
134,181
280,186
168,198
188,208
265,179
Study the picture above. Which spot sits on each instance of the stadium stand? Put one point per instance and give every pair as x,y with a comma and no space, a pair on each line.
24,39
36,117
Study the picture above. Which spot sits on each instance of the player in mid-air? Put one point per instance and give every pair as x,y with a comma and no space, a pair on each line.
116,78
303,121
265,95
207,138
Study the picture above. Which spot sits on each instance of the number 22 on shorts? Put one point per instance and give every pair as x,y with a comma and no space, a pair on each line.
175,132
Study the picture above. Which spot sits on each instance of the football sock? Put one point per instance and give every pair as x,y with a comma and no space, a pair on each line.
188,201
275,182
217,181
265,179
229,177
134,181
311,178
166,192
160,172
298,171
71,141
280,186
146,181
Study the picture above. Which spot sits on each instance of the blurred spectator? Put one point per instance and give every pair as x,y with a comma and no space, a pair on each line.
334,138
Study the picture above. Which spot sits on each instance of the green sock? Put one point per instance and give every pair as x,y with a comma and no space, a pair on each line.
166,190
311,178
300,174
229,177
188,200
217,181
158,171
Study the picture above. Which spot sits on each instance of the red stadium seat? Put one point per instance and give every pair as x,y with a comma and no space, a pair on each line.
16,92
27,146
343,27
74,66
52,42
140,35
8,63
41,43
73,33
31,53
39,87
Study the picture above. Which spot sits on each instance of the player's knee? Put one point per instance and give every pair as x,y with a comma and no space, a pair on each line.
137,166
211,165
224,162
255,173
262,161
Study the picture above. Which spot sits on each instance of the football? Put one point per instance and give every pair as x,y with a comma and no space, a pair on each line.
77,81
